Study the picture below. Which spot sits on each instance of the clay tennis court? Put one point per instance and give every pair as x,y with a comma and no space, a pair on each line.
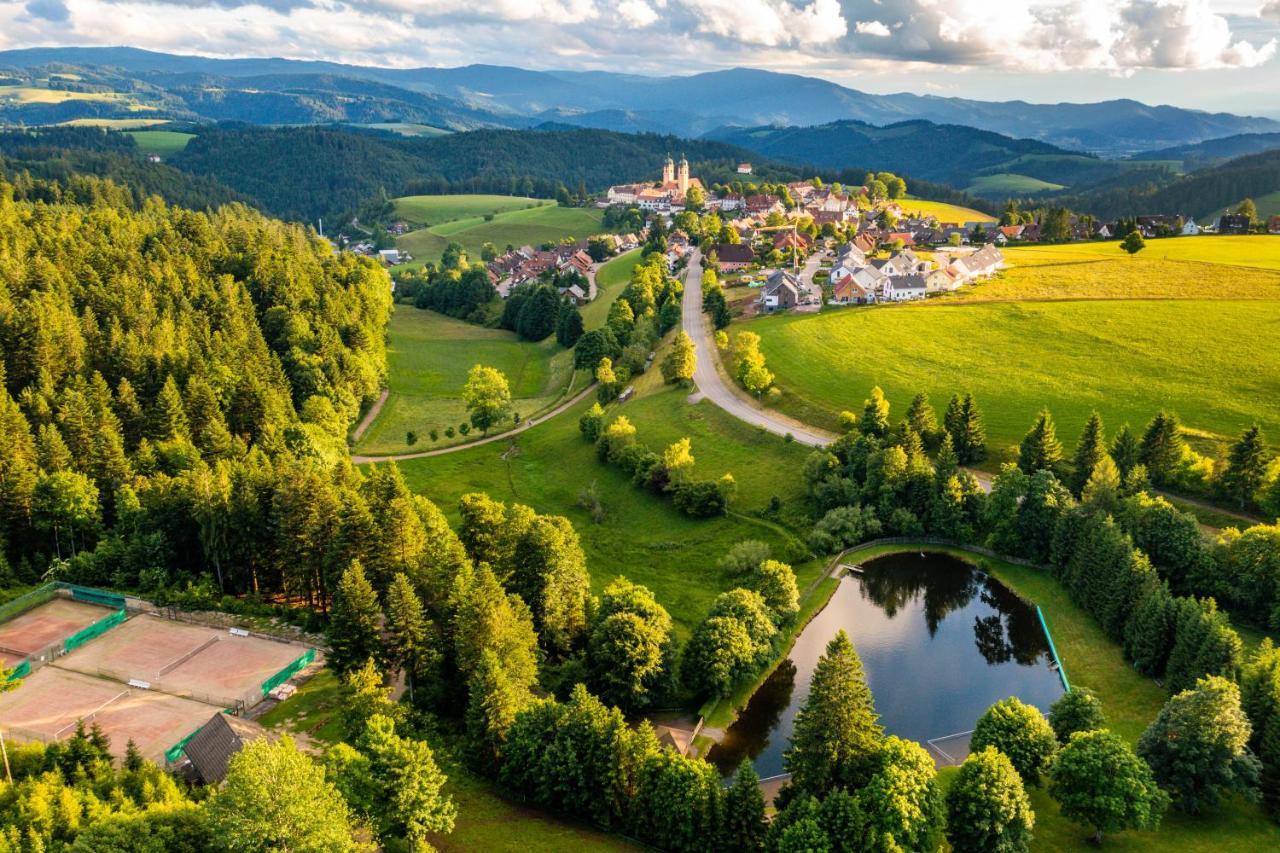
41,627
208,664
50,702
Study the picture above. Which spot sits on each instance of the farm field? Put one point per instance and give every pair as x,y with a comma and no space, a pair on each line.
1009,183
429,356
1125,358
1260,251
162,142
1130,703
543,224
429,210
39,95
115,123
642,536
945,212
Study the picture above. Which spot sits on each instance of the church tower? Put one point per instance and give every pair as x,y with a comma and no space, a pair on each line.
683,176
669,171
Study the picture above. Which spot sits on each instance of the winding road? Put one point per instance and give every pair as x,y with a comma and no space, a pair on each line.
714,386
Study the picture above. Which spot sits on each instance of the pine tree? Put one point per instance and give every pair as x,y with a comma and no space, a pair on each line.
409,633
1040,449
1246,468
837,733
744,826
354,622
963,422
1126,452
1090,449
569,327
921,418
1162,448
168,416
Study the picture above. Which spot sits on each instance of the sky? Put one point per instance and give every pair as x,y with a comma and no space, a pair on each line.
1206,54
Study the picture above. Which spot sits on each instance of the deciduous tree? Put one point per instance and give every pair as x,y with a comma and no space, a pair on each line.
988,810
1099,781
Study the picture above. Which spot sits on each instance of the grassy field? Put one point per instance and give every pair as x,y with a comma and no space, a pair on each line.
945,212
429,210
1125,358
40,95
1130,702
1072,328
1008,183
115,123
163,142
611,278
429,355
1268,205
642,536
546,223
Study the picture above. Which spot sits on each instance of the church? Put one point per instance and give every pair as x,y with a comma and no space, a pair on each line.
662,196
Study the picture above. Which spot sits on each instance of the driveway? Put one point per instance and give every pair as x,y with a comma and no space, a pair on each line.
714,385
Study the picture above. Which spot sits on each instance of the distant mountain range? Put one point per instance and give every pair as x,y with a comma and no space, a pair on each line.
1199,155
280,91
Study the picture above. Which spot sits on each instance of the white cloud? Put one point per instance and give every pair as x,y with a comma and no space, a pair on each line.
1119,36
637,13
771,22
872,28
1270,11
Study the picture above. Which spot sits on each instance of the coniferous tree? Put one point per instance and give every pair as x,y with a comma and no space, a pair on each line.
743,826
1040,449
1125,451
354,623
1162,448
837,733
922,419
569,326
1089,451
409,633
1246,467
168,416
875,415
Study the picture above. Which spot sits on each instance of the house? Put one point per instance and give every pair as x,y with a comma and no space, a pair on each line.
764,204
940,281
984,262
1234,223
744,168
1189,229
784,240
904,288
734,256
849,291
1273,225
908,238
390,257
850,255
730,201
783,290
212,747
866,242
1010,232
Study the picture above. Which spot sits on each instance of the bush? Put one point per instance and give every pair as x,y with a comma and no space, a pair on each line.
700,499
844,527
744,558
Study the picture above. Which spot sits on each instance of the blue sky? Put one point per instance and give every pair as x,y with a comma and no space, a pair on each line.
1209,54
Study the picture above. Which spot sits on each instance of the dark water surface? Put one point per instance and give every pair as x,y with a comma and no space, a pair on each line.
940,642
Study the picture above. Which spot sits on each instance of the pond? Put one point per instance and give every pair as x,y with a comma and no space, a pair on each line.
940,641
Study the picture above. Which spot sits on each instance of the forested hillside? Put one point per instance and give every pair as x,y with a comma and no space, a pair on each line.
302,173
61,156
177,389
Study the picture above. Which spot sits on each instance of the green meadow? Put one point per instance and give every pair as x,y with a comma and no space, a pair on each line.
1070,328
641,535
162,142
1009,184
461,219
429,356
944,211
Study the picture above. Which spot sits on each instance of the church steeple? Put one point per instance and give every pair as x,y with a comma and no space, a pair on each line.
682,177
669,171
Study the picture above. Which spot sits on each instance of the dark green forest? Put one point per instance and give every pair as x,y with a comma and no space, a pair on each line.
177,389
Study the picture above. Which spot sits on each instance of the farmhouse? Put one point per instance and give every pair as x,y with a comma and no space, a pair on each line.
849,291
1273,225
734,256
1234,223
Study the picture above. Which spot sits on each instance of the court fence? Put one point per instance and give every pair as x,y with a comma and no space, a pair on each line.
289,671
48,592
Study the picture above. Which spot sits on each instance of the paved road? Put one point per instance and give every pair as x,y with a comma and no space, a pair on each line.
500,436
713,385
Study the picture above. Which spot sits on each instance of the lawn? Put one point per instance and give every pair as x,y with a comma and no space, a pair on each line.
1125,358
543,224
611,278
1009,184
429,356
642,535
1130,702
428,210
945,212
163,142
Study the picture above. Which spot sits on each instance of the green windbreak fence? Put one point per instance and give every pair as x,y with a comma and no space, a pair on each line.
174,752
22,670
94,596
285,674
97,629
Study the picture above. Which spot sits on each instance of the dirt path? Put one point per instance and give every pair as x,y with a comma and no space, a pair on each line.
370,416
499,436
